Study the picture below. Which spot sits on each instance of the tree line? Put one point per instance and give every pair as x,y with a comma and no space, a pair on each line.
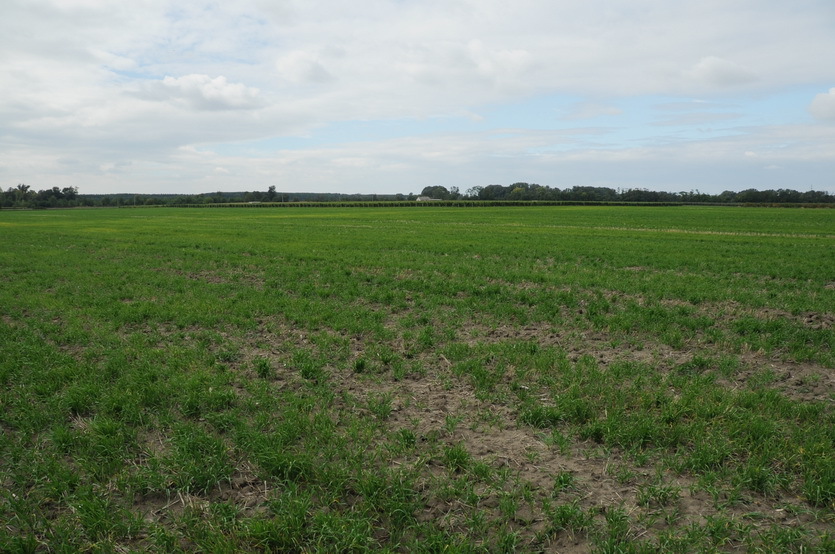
534,192
23,196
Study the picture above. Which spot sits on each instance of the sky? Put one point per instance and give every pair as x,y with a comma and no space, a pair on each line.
391,96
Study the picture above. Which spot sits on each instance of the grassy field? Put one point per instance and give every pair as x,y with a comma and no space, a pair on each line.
608,379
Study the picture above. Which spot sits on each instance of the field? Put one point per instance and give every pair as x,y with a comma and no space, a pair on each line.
562,379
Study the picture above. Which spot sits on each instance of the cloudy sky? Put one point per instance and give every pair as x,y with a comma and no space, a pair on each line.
387,96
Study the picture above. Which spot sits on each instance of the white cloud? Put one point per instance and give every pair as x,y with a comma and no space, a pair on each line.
720,72
823,106
301,67
114,61
201,92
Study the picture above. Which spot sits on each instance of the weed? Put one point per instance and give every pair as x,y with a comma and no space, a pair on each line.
541,416
456,457
360,365
563,481
380,405
615,536
263,368
657,494
570,517
406,438
558,439
508,505
451,422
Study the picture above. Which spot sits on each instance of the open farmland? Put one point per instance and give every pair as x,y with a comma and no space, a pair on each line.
613,379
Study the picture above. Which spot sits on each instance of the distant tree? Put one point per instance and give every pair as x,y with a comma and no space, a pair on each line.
49,198
519,191
816,196
18,197
726,196
439,192
70,193
638,195
271,193
493,192
751,195
473,192
22,192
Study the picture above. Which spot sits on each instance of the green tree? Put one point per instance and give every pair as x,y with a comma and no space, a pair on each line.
474,192
70,193
438,192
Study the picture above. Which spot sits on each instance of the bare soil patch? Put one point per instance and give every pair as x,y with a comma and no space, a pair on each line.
438,406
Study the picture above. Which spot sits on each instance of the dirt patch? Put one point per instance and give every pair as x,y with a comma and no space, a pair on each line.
152,444
246,490
815,320
436,407
245,275
239,277
799,381
603,347
544,335
444,411
730,311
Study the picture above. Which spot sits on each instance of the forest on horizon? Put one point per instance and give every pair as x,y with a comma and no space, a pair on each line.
24,197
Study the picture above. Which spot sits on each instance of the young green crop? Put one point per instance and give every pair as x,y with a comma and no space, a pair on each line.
519,378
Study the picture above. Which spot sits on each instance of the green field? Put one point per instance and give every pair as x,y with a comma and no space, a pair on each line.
608,379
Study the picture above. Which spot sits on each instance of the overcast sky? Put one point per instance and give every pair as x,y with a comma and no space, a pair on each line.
387,96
